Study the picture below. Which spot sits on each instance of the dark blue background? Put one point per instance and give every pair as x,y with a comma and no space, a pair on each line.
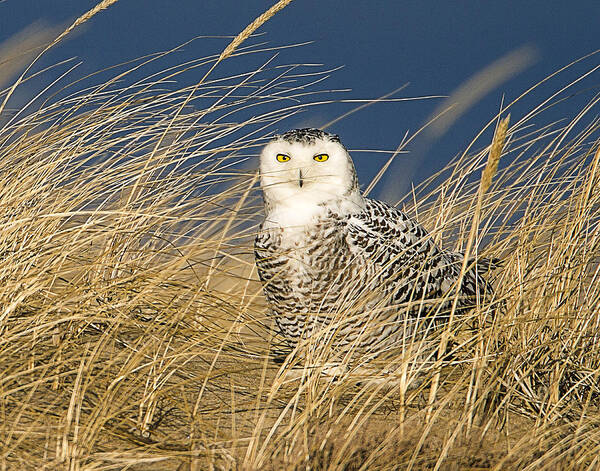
434,45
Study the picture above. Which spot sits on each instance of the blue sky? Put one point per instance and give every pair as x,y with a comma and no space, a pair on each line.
434,46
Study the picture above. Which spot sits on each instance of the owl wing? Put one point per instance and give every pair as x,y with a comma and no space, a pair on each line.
267,256
404,256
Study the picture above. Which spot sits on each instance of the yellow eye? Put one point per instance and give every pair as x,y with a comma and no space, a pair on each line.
321,157
283,158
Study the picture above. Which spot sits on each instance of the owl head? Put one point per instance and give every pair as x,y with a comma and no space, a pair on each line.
307,165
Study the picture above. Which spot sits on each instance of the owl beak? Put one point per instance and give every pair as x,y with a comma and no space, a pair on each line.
300,179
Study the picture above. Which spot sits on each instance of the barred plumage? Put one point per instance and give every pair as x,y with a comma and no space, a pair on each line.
325,253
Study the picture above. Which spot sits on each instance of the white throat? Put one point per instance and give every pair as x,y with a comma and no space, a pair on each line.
304,211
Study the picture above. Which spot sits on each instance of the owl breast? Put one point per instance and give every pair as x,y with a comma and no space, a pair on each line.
311,279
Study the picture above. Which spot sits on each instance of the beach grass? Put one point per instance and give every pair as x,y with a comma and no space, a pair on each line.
133,329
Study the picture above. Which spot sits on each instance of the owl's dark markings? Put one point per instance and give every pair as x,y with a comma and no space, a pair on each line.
308,136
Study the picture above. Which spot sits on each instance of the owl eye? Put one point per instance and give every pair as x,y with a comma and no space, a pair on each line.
321,157
283,158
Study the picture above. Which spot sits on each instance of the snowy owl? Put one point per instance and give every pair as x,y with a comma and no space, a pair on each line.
342,268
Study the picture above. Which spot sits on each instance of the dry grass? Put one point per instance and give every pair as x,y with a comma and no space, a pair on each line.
133,333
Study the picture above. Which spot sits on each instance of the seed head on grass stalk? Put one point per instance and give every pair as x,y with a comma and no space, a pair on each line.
104,4
257,23
498,144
